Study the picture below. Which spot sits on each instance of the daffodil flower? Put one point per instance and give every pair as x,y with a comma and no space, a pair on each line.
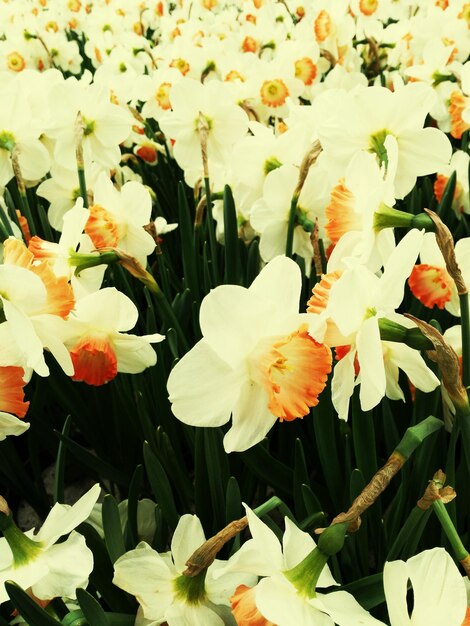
256,360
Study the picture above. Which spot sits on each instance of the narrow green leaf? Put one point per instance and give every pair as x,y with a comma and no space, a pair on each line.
217,474
444,208
231,251
270,470
368,591
363,438
253,262
233,509
409,535
102,468
311,502
29,610
60,464
112,528
160,486
187,243
135,488
301,479
116,619
91,608
102,575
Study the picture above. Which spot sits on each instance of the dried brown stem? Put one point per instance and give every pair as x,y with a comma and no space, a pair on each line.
205,555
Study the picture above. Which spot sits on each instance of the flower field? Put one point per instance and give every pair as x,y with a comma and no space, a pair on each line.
234,314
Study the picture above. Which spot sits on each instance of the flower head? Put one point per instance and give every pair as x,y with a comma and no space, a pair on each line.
256,360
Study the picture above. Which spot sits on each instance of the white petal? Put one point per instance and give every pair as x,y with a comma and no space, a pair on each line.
395,578
346,611
70,564
64,518
188,536
231,319
439,591
397,270
412,363
107,308
280,282
277,601
251,419
342,385
11,425
371,362
202,388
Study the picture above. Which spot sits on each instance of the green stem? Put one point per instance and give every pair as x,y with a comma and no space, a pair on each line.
83,187
211,231
168,313
449,529
291,226
465,321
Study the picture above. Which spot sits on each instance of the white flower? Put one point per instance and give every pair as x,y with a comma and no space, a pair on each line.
164,593
382,122
37,561
256,359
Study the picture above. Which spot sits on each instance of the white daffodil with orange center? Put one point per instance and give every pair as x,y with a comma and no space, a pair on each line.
117,218
256,360
350,215
35,303
430,281
98,346
12,401
356,325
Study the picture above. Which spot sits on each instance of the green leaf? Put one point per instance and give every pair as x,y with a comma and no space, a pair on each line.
102,575
233,510
135,488
363,438
230,238
301,479
368,591
270,470
444,208
217,474
91,608
60,464
253,262
29,610
112,528
409,535
187,243
161,488
90,460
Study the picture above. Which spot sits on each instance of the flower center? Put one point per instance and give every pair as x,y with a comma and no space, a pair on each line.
322,26
293,370
431,285
162,96
305,70
368,7
15,62
94,361
181,65
102,228
7,140
377,145
273,92
190,589
340,213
